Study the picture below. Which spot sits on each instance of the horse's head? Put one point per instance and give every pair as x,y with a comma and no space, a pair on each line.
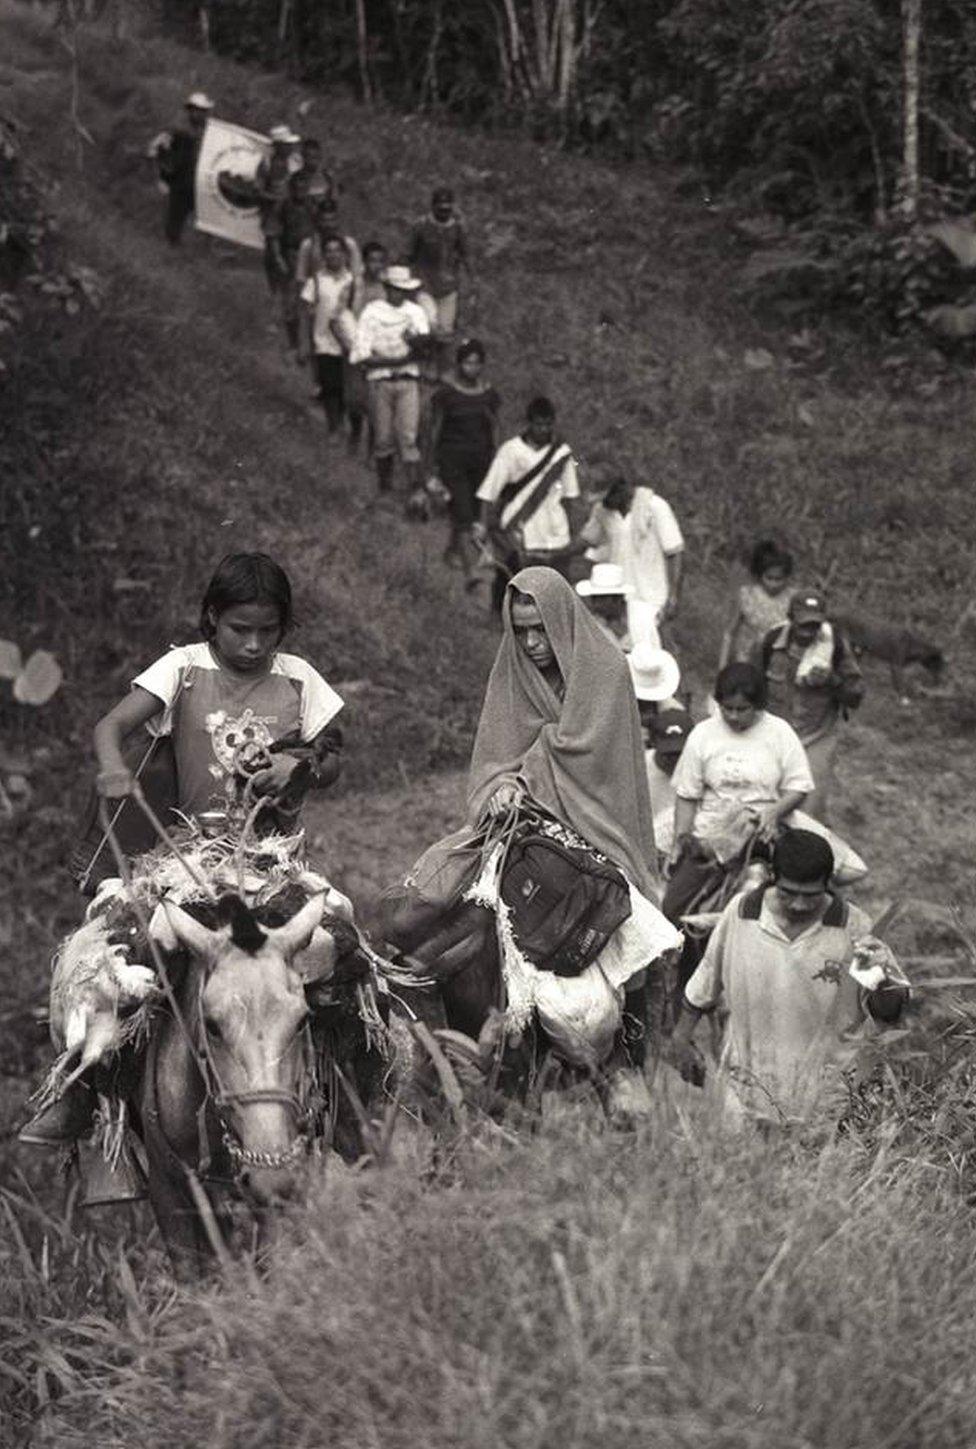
252,1007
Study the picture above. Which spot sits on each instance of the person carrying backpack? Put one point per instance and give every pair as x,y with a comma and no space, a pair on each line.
815,699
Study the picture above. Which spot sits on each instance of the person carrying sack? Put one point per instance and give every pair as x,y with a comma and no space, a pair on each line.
530,501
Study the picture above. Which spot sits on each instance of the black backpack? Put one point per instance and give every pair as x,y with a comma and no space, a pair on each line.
566,899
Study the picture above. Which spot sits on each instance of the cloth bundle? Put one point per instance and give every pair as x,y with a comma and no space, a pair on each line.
581,1014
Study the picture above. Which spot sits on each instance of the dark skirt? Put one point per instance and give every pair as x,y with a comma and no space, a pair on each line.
462,475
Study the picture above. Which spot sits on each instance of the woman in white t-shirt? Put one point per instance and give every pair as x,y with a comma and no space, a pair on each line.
740,775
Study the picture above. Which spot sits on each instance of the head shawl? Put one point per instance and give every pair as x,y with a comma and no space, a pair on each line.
581,757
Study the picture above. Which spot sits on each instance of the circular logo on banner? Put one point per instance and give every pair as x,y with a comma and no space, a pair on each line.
230,178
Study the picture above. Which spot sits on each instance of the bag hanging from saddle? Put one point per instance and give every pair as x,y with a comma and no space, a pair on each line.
565,898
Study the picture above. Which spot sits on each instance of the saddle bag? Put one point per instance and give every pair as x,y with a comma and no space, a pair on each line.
566,899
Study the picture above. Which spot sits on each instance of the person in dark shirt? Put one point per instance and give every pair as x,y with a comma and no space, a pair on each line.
297,222
814,696
320,183
461,444
438,253
176,153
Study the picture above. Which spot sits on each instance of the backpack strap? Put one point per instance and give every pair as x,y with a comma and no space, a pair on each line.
513,489
751,904
837,913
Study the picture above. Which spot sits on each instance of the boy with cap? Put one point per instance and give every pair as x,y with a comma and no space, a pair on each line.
387,342
176,154
800,975
667,736
813,680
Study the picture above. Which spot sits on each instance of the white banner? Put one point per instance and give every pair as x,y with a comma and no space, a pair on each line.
226,199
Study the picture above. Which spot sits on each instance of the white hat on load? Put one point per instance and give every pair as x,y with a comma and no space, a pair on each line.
401,278
654,671
605,578
284,134
200,101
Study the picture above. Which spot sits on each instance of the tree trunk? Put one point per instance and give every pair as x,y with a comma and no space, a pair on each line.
567,55
911,13
430,88
362,52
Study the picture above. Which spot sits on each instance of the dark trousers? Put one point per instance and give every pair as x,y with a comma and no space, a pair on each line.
693,875
328,371
179,208
509,563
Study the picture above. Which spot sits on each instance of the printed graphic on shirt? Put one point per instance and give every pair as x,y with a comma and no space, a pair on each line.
233,737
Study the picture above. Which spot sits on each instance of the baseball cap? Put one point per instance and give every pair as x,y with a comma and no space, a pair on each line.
199,101
808,606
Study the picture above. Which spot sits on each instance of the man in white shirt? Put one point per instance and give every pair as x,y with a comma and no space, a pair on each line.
784,963
635,528
530,499
386,343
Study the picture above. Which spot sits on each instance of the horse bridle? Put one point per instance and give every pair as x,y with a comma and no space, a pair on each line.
245,1156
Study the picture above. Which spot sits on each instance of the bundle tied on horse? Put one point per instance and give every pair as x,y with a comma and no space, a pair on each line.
265,999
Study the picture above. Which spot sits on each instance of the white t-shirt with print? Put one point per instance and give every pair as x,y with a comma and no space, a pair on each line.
329,294
548,528
721,766
211,714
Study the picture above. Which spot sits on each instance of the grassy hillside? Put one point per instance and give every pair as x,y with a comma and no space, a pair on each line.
752,1294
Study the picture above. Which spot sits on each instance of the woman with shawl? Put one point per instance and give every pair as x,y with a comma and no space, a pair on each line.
559,728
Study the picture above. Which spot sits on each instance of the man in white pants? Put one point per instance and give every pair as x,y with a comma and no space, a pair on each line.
385,342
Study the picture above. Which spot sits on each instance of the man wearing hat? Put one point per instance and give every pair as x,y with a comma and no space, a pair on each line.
812,696
272,180
176,154
665,725
605,594
388,343
635,528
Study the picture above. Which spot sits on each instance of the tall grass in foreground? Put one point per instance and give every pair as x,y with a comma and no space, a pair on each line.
574,1288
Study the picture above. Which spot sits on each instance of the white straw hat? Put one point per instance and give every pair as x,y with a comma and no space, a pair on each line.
401,278
655,672
200,101
284,134
605,578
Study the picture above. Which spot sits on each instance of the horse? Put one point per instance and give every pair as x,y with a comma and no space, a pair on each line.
456,945
242,1073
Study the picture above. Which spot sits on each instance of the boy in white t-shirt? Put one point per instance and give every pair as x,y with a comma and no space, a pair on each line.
635,528
530,499
327,295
